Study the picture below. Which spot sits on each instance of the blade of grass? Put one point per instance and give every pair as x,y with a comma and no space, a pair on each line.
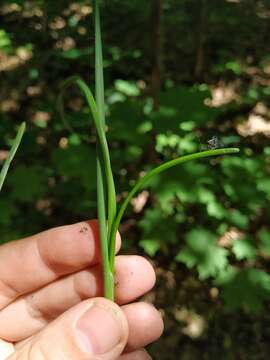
108,281
76,80
12,153
103,160
142,181
101,106
101,191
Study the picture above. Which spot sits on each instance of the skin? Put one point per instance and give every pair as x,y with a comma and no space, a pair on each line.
49,280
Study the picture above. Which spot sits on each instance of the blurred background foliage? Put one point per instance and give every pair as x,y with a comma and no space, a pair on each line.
177,72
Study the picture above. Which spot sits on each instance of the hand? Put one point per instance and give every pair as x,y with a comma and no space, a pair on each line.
50,304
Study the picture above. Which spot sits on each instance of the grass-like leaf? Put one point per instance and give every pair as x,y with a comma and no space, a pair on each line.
109,218
102,147
104,171
141,183
11,154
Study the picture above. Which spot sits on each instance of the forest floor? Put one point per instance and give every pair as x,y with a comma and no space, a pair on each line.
196,324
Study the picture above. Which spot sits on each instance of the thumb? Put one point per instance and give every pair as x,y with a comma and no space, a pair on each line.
95,329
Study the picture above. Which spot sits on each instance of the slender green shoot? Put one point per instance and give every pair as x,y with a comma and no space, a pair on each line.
102,147
157,170
104,171
11,154
109,218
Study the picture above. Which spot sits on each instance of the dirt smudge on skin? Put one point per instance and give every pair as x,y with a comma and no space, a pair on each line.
84,230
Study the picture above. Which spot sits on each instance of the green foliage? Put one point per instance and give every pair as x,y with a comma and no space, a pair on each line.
223,195
249,288
10,156
182,105
7,211
264,237
201,251
75,162
244,249
20,179
154,229
5,42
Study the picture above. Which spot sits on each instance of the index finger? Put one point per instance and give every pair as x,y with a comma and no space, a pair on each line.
33,262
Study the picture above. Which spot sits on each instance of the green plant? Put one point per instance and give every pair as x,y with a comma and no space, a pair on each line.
11,154
108,216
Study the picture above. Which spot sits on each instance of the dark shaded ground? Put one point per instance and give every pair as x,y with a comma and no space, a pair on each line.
196,325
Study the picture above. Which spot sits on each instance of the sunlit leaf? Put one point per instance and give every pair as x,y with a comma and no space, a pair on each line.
76,161
264,236
28,183
150,246
244,249
201,251
248,288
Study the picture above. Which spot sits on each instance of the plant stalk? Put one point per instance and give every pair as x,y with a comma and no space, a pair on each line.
102,194
142,181
11,154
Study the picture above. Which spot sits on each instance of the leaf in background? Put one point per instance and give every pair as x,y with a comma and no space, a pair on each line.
248,288
264,185
76,161
122,159
27,183
8,211
150,246
75,54
206,196
5,42
183,183
157,229
201,251
264,237
216,210
238,219
179,144
240,181
126,87
244,249
182,104
124,123
234,66
166,197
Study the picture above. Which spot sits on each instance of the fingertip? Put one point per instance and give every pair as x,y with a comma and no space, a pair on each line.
145,324
140,354
134,277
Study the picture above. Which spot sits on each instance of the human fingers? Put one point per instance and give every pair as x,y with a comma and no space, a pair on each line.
95,329
145,325
32,312
29,264
144,322
140,354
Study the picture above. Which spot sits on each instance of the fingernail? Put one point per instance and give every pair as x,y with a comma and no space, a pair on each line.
99,329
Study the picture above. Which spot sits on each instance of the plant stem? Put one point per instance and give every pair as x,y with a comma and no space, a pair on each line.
104,173
11,154
108,279
108,282
142,181
101,108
